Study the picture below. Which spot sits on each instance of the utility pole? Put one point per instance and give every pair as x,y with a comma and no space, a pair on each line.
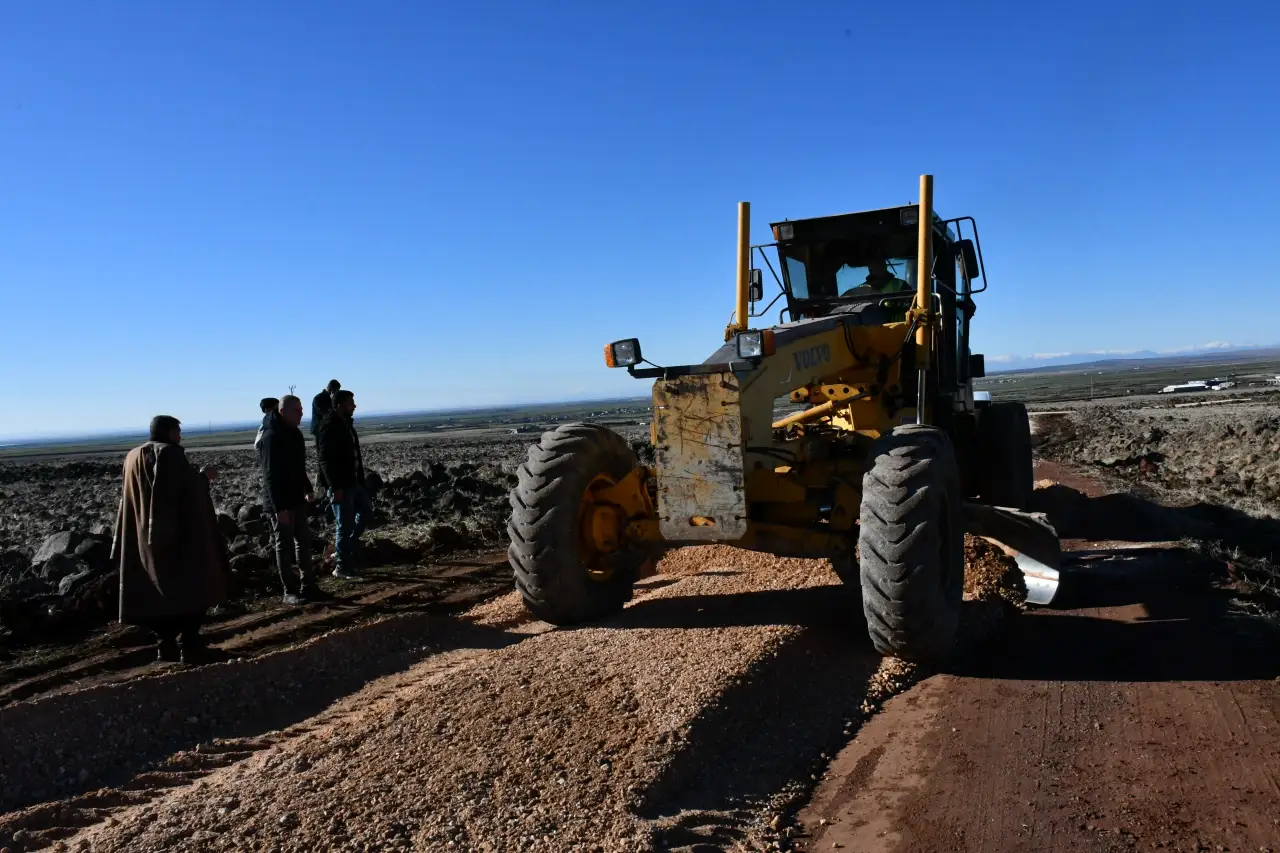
291,387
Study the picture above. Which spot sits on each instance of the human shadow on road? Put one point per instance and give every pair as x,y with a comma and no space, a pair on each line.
71,743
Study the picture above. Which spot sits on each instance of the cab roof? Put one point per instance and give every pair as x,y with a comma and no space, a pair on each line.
885,219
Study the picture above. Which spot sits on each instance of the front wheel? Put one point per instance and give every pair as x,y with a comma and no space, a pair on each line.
561,576
911,544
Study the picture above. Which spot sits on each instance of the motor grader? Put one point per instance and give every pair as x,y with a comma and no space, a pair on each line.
886,460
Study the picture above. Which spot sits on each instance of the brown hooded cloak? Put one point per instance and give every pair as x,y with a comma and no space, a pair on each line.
167,545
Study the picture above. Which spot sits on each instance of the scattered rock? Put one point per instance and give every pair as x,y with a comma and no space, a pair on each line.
94,551
251,564
59,566
63,543
228,526
249,513
70,583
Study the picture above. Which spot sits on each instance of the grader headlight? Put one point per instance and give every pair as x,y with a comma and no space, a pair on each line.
623,353
755,344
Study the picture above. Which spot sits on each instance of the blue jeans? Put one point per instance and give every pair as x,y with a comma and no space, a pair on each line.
351,516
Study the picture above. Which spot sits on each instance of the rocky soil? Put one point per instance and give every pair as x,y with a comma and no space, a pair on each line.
432,498
1225,454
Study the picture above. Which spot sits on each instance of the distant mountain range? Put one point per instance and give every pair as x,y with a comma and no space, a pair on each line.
1057,360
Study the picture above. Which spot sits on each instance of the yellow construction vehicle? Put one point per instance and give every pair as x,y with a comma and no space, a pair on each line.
888,460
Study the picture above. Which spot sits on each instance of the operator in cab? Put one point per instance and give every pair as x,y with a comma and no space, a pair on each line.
880,281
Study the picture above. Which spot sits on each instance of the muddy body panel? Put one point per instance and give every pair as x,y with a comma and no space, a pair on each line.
700,471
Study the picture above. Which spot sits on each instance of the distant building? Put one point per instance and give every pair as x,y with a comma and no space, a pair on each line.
1195,385
1186,387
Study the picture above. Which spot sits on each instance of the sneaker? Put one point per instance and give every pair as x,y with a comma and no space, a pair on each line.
294,600
347,575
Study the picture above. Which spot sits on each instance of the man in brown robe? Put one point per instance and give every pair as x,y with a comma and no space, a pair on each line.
167,545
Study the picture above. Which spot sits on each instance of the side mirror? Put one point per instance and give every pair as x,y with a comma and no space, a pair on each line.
755,286
968,258
977,365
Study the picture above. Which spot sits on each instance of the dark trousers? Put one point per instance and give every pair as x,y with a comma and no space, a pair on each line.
292,542
169,629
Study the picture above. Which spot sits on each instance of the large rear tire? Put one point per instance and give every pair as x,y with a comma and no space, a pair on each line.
546,551
911,544
1006,476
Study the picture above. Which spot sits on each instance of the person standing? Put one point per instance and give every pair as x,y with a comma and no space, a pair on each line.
286,497
269,405
167,546
321,406
343,469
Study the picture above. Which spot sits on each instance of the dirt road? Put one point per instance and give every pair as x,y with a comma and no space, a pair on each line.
1142,713
732,706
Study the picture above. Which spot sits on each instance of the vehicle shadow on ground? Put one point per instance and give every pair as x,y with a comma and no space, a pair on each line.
1172,621
771,728
1188,641
71,743
1132,518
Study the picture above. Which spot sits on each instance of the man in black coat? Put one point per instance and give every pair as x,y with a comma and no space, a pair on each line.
286,498
343,468
321,406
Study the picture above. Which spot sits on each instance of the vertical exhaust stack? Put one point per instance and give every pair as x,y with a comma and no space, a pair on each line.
740,319
924,294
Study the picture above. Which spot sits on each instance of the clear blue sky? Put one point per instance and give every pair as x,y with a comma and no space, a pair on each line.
459,204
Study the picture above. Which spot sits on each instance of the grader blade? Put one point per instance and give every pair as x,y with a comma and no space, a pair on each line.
1028,537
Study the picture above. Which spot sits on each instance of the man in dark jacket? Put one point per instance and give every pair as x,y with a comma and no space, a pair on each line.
286,495
269,406
343,468
167,546
321,406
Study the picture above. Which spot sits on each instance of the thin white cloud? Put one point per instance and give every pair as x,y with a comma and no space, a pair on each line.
1082,356
1200,348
